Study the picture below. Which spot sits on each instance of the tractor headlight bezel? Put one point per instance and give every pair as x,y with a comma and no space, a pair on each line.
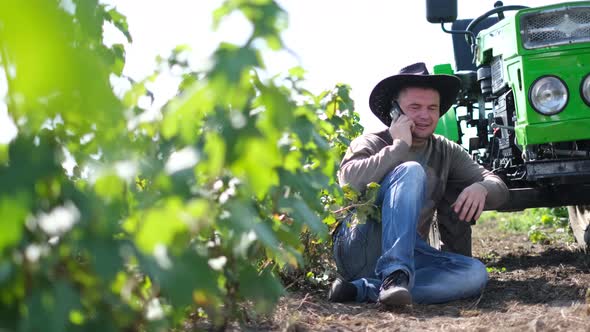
555,92
585,89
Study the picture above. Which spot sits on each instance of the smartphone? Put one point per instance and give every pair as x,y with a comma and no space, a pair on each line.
395,112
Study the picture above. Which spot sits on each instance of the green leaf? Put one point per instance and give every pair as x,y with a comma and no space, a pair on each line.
50,310
106,256
160,225
6,271
278,111
303,128
258,163
331,109
9,318
302,214
13,212
292,161
185,114
77,317
243,217
297,72
120,21
320,142
188,278
110,187
69,69
118,59
232,62
3,154
274,42
329,220
265,233
88,13
287,236
268,20
262,288
307,185
132,96
215,150
29,162
372,192
202,213
350,193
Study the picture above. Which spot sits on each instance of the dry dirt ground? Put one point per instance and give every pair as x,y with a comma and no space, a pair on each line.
532,287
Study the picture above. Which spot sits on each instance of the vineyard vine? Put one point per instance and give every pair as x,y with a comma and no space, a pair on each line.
195,212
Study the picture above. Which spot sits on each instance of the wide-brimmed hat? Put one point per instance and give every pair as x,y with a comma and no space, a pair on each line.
417,75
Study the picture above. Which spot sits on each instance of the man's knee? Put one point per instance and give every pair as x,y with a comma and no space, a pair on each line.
478,275
356,249
410,171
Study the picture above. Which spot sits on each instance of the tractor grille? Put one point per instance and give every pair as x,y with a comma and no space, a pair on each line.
567,25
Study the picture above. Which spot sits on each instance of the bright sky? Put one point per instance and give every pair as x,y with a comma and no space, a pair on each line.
353,42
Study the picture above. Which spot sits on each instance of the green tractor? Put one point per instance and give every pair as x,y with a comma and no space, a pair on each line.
524,109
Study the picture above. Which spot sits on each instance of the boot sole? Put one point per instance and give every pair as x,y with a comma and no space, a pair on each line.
395,297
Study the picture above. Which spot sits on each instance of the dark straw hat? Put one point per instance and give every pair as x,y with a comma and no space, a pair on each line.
417,75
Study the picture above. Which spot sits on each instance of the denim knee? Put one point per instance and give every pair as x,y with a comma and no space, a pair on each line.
478,275
356,249
410,170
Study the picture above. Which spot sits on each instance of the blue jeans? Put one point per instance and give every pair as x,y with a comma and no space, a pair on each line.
366,254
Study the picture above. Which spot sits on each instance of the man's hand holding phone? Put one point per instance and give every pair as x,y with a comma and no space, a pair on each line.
401,125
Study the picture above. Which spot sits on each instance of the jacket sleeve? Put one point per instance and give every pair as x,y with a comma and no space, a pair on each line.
368,161
464,171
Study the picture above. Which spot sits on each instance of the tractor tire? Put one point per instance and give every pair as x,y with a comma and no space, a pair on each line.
579,217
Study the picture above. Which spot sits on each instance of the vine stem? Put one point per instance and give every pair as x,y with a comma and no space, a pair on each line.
351,206
335,103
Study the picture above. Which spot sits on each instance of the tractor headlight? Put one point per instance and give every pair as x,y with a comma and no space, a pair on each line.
585,89
548,95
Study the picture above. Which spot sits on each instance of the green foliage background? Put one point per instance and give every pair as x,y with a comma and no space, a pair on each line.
135,239
542,225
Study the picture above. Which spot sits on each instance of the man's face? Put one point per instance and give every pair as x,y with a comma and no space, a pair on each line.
422,105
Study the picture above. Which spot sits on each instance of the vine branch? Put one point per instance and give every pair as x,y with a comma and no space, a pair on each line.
351,206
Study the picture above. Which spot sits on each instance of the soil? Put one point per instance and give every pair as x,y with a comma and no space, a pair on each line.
532,287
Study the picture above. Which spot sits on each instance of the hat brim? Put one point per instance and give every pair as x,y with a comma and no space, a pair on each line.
381,97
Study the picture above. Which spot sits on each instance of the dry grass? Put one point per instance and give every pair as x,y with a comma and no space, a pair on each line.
299,312
532,288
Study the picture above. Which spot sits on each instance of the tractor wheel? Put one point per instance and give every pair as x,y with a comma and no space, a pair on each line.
579,216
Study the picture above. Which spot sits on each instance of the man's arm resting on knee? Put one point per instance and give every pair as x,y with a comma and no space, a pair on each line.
486,191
